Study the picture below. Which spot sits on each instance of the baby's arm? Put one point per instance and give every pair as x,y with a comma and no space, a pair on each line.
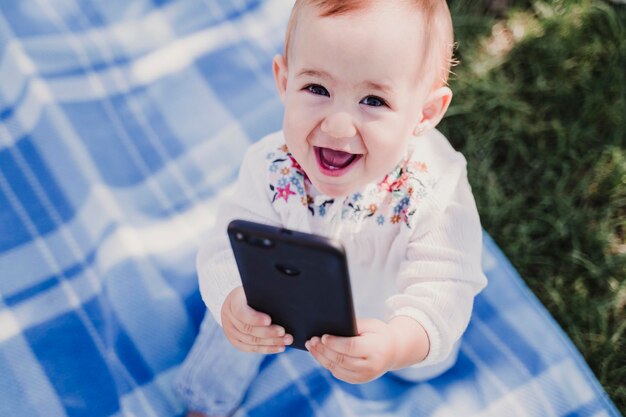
220,284
437,283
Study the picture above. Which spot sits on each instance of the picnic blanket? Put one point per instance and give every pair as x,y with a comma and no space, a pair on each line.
121,124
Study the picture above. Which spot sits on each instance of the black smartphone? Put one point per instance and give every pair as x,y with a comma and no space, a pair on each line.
299,279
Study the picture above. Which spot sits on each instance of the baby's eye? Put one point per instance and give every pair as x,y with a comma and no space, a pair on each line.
317,90
373,101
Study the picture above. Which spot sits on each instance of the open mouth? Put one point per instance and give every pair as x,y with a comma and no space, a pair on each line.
333,162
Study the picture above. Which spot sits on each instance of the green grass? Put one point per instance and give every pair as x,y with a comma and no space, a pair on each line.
540,113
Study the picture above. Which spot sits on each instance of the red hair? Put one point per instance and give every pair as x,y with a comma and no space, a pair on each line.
438,32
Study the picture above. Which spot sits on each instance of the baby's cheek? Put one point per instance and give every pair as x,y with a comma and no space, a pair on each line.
384,157
298,127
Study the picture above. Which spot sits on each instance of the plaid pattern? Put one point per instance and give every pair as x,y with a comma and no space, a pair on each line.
120,124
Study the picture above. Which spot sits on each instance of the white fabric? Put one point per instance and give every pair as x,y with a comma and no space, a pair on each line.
414,247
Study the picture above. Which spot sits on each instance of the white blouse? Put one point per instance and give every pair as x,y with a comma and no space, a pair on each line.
413,239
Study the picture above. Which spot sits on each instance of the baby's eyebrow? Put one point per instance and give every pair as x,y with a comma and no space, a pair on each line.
314,73
373,85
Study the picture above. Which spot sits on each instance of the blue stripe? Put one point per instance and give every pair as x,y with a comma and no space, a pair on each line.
46,284
196,309
30,292
68,273
110,148
297,404
515,342
91,14
9,108
76,369
38,213
112,332
388,387
23,25
13,231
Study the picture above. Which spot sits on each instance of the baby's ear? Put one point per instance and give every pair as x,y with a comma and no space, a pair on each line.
280,75
435,106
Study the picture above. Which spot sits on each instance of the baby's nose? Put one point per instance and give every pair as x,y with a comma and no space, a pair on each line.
339,125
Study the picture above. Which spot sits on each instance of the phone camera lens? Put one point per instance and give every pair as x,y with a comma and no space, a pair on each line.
239,236
267,243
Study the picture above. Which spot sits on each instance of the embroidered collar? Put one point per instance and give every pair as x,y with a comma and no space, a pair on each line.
392,200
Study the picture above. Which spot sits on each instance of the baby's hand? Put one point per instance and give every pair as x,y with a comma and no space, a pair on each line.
356,359
249,330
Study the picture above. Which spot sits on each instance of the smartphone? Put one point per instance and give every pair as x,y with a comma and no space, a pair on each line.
299,279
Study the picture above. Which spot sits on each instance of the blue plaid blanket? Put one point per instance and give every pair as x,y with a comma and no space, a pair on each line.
121,122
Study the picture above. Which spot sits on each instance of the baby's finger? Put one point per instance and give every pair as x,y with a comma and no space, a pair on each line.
263,332
244,341
349,346
340,371
276,341
258,348
333,360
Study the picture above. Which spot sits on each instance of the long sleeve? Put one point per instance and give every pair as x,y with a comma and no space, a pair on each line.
441,272
217,270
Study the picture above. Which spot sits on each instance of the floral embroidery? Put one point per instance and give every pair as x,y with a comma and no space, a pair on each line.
284,193
306,200
393,200
322,208
285,173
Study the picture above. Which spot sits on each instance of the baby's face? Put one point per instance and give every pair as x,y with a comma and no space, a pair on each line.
352,94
